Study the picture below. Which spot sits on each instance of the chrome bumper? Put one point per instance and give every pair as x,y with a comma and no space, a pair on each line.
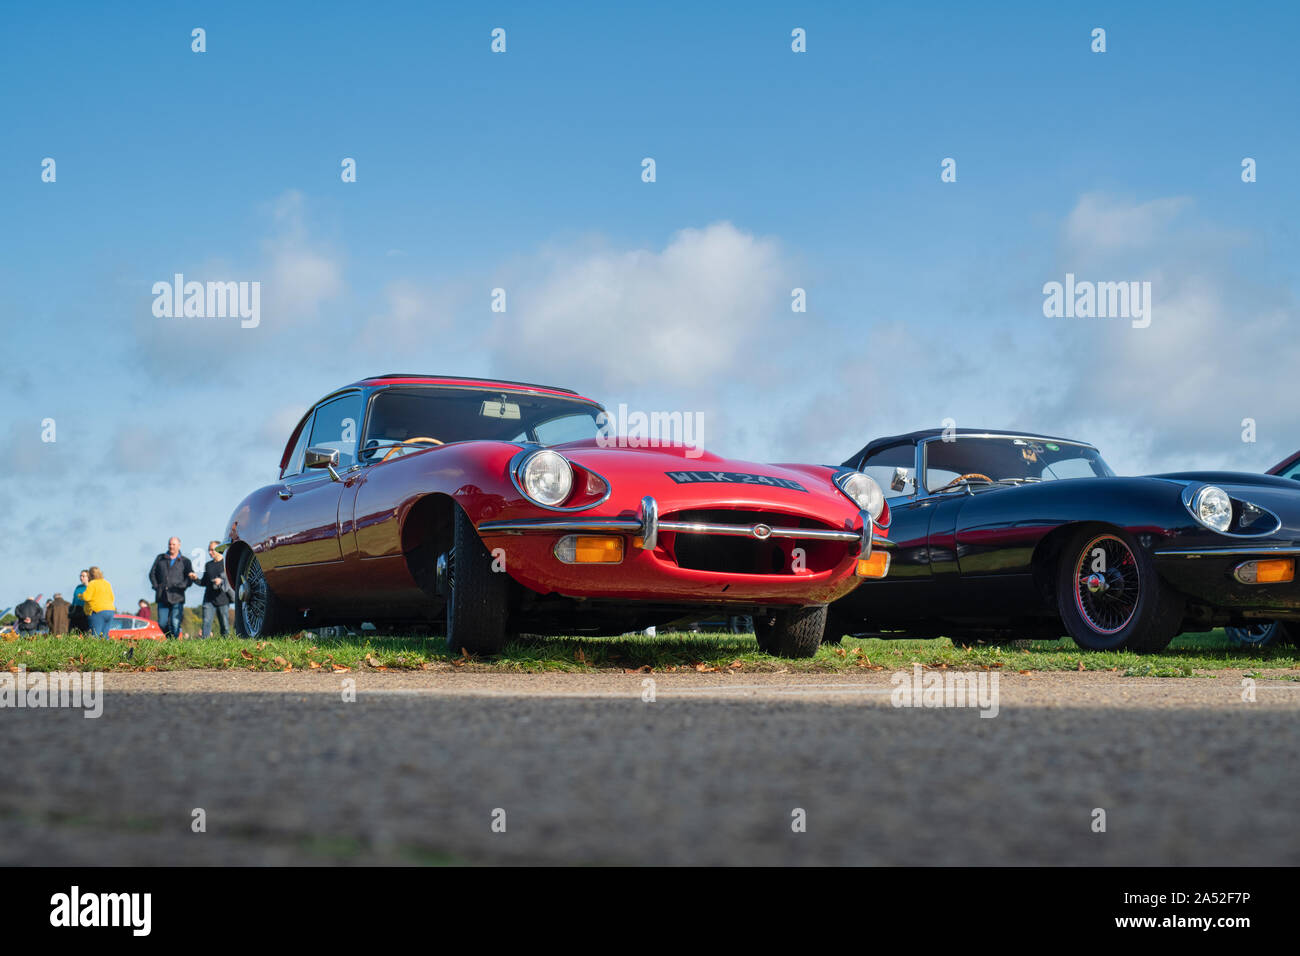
647,527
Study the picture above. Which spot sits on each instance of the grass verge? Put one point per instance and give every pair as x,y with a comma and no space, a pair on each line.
667,652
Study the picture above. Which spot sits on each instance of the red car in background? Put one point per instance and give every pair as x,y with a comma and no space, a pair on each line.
129,627
491,508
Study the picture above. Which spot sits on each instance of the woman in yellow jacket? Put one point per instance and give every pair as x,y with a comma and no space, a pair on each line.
99,602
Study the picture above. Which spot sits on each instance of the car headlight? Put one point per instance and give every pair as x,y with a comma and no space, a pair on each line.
546,477
1213,508
863,491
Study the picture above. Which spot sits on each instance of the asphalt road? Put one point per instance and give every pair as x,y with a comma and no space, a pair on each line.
710,772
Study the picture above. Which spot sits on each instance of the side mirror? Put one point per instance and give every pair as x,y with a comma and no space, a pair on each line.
900,480
322,457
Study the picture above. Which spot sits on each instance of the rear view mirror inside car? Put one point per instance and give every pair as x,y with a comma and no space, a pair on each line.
500,410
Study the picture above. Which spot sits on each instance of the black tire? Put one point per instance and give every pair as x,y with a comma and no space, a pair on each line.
477,596
791,632
258,612
1261,634
1115,600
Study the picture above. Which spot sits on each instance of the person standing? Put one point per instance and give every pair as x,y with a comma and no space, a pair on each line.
100,603
216,595
30,617
56,619
170,575
77,617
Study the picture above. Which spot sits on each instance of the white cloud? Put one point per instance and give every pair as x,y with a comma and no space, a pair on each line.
1101,223
668,317
1218,349
302,272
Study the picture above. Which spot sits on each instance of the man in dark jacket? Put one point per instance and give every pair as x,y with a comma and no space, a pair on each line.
30,616
57,618
170,575
216,594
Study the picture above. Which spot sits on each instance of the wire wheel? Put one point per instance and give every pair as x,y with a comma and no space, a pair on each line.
1254,635
1107,584
252,597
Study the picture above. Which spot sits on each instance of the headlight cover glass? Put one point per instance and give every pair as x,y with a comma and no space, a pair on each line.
546,477
863,491
1213,508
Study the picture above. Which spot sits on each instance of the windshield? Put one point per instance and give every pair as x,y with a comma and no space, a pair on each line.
444,415
1011,460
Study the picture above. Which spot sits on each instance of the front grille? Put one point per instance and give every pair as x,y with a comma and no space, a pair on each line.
737,555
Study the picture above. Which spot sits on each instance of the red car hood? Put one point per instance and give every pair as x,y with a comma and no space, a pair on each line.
683,478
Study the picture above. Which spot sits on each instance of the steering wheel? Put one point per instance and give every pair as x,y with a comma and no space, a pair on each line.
410,441
966,477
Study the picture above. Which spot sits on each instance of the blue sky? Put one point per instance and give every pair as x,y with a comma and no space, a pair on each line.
522,170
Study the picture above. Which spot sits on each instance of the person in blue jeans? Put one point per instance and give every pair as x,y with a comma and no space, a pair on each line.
100,603
100,622
170,575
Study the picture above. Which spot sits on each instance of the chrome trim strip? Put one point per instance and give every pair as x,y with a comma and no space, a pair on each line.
559,524
649,526
760,531
1225,552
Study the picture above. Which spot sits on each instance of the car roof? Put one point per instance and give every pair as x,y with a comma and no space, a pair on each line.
416,378
921,435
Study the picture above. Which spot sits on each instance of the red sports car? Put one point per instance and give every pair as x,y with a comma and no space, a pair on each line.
493,508
129,627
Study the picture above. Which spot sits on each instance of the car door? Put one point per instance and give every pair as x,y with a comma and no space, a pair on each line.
905,592
305,532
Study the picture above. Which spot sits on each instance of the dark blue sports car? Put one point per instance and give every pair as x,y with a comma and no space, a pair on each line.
1002,534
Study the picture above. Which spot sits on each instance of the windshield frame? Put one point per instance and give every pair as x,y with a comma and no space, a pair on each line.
577,401
922,491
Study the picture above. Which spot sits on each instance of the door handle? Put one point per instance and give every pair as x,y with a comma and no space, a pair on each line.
285,493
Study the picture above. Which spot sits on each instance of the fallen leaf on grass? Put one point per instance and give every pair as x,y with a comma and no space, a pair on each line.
313,665
280,660
373,661
243,652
